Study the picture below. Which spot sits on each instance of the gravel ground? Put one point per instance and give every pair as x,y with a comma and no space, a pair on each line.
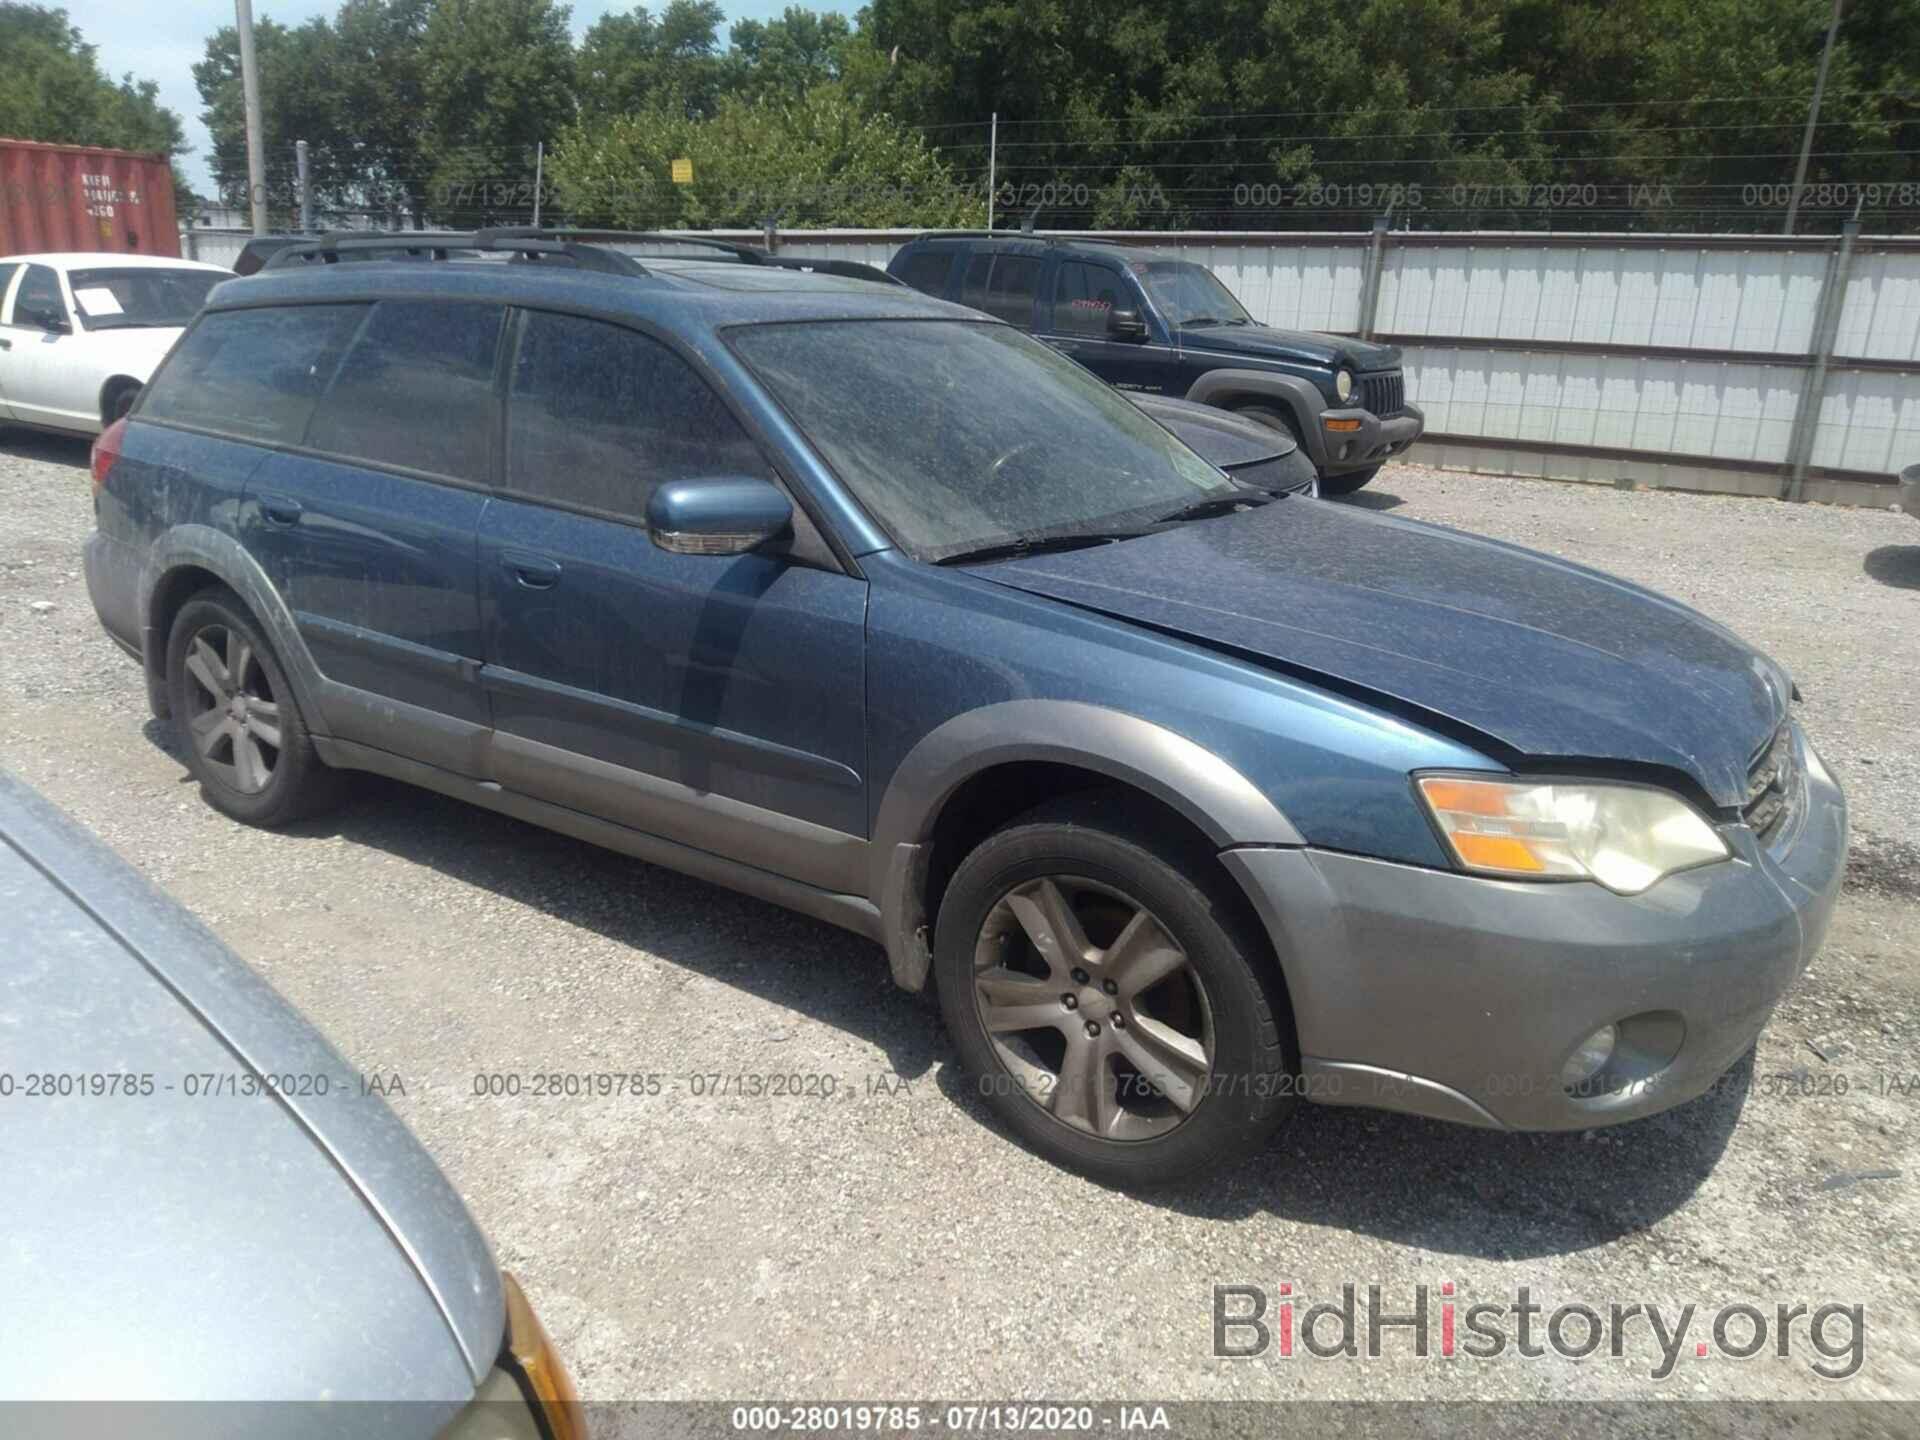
889,1240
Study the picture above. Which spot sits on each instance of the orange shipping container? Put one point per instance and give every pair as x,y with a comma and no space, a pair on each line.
80,197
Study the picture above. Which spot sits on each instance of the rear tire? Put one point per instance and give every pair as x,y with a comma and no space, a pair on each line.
246,741
1160,1040
119,401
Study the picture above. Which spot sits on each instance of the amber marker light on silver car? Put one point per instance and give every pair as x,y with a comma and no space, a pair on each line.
1627,837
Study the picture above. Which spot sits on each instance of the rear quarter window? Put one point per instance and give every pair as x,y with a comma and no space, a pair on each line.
928,271
254,373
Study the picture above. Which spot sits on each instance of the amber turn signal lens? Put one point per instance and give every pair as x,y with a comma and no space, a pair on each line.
1343,424
540,1369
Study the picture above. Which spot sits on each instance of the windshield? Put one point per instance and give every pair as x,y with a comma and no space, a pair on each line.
1188,294
960,436
146,297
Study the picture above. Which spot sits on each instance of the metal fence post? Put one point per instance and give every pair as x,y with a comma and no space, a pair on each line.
1826,329
306,188
1376,261
189,243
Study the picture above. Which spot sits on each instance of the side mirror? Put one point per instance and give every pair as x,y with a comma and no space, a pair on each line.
726,515
1126,324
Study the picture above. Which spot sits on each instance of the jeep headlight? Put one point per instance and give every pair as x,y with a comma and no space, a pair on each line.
1343,384
1624,836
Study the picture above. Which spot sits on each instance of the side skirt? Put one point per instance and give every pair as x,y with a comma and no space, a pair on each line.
849,912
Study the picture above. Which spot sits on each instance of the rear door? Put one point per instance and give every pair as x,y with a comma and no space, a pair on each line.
718,701
368,526
1084,294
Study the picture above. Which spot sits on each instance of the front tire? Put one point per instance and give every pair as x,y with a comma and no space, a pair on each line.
1343,484
247,743
1115,1008
1347,483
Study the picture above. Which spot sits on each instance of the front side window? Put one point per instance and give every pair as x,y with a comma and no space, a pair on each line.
957,435
1190,295
146,298
38,304
598,415
252,372
1084,296
416,390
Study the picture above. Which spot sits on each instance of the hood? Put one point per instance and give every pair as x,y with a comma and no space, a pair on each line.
1217,436
1548,661
1265,342
197,1237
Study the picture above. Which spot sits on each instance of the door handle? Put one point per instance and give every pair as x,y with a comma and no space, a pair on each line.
534,572
279,510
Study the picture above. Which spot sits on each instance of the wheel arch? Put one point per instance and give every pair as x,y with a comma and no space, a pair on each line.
113,385
188,559
1228,389
979,769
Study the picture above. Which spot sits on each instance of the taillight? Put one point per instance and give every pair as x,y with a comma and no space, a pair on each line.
106,450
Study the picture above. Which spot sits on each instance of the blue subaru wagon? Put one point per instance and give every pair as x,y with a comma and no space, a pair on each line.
1190,800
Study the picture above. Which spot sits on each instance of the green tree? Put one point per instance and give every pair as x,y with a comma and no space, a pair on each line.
52,89
300,99
497,80
632,62
816,159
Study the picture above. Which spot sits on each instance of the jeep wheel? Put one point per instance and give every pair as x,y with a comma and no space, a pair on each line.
1348,482
247,743
1113,1008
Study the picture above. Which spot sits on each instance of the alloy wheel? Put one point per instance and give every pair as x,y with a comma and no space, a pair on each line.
233,717
1093,1008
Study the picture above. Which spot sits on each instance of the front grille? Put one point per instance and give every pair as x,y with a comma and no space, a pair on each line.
1384,394
1772,784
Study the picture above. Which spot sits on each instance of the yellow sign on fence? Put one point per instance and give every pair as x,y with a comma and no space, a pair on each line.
683,172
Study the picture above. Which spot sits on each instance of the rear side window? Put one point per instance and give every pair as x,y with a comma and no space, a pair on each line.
973,289
255,373
1083,296
927,270
39,303
598,415
1010,289
416,390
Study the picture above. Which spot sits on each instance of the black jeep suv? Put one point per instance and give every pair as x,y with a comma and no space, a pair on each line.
1150,322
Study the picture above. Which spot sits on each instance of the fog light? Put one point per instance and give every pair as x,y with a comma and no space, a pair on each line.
1590,1059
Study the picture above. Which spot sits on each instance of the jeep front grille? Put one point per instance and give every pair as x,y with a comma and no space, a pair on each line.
1384,394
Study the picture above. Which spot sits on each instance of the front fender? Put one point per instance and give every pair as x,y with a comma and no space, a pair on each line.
1216,798
201,547
1224,388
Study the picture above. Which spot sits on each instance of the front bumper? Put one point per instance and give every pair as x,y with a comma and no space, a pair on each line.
1460,997
1375,442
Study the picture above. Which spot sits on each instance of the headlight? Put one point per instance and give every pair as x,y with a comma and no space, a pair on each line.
1343,384
1623,836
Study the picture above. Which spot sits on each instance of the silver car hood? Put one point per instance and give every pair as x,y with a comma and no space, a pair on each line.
226,1244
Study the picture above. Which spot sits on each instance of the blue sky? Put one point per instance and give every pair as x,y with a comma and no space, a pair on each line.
162,41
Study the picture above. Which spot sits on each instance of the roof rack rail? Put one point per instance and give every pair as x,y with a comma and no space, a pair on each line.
746,254
521,242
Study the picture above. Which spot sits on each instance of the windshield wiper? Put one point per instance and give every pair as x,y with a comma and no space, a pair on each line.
1218,505
1038,545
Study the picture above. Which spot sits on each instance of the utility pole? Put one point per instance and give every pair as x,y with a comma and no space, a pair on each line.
306,191
539,170
250,91
1813,117
993,154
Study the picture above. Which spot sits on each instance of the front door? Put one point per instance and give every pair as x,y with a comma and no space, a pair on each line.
1084,294
42,367
718,701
